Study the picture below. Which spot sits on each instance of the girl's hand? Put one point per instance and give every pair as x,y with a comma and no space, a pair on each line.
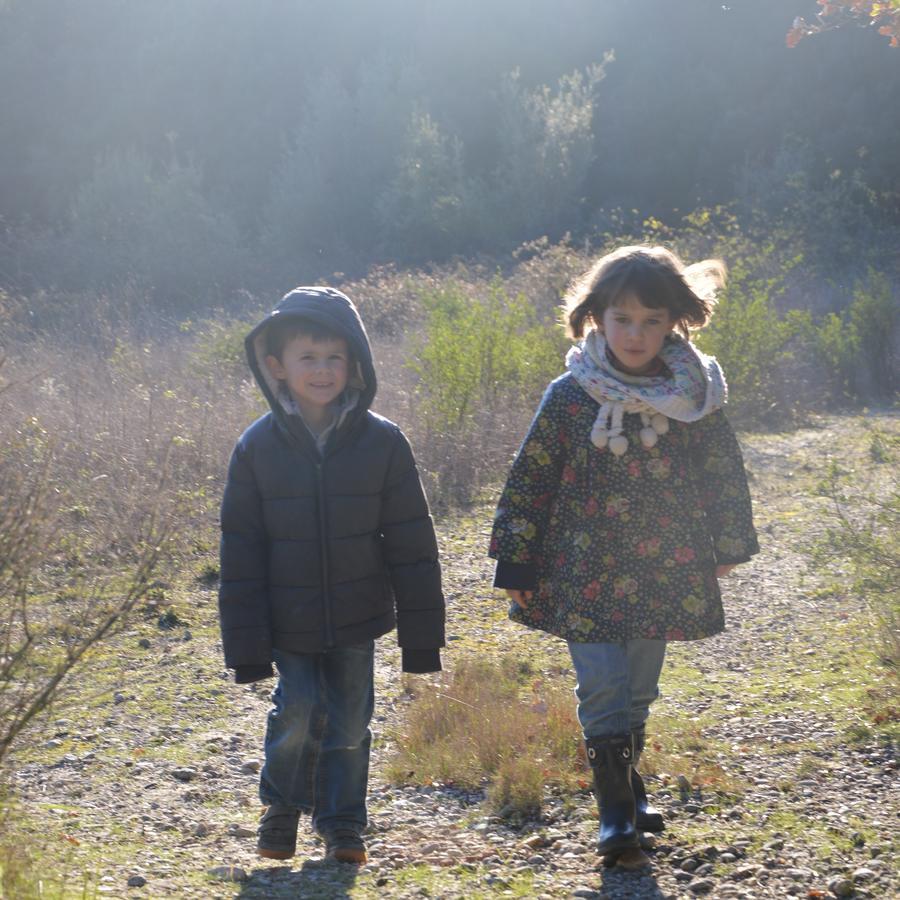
520,598
722,571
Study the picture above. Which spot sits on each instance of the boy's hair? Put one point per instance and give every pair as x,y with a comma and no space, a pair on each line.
656,276
284,329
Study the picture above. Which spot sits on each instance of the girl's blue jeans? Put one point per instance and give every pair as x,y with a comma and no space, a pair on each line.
318,738
617,682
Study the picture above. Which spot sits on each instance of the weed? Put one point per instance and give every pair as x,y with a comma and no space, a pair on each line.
489,720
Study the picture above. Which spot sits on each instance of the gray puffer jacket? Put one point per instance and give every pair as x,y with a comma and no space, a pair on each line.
332,548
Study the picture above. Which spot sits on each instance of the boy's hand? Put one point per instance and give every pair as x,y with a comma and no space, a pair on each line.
520,598
249,674
722,571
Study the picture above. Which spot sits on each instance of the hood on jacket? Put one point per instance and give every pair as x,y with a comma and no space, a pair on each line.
327,307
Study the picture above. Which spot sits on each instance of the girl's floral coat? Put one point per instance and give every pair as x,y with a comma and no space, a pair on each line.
621,547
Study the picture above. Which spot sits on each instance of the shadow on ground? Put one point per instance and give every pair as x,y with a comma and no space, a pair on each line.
619,884
316,878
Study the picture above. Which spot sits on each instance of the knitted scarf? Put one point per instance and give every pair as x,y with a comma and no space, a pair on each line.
695,388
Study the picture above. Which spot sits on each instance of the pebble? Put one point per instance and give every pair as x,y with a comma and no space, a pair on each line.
701,886
228,873
841,887
586,892
137,881
185,774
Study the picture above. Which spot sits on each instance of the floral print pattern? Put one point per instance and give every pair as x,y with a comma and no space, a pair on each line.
622,547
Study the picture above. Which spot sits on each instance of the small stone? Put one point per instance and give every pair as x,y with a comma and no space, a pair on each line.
744,872
798,874
534,841
241,831
202,829
137,881
144,644
647,841
841,887
184,774
586,892
228,873
564,847
727,857
250,767
689,864
701,886
119,697
862,875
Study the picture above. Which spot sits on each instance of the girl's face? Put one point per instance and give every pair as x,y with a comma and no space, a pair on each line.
634,333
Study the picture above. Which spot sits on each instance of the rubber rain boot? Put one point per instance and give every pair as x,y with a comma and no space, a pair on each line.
610,761
647,817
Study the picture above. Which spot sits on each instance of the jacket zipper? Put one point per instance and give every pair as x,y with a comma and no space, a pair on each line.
323,547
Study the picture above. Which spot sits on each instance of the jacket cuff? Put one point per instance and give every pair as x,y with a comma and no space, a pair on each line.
248,674
723,560
419,662
515,576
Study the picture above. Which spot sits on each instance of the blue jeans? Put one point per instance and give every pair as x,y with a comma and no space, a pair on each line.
617,682
318,738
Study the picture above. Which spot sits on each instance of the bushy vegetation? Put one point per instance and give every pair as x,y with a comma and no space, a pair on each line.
480,355
183,164
865,536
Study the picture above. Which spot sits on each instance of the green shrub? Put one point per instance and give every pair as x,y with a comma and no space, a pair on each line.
479,352
479,361
757,347
857,345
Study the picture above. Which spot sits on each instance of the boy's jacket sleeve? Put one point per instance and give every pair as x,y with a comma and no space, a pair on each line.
243,603
722,485
410,553
524,506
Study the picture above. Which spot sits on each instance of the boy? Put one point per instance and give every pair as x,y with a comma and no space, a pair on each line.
327,543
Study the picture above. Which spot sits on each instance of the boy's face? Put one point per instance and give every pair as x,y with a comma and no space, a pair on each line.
634,333
315,372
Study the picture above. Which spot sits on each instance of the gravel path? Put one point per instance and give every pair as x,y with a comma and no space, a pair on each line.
150,790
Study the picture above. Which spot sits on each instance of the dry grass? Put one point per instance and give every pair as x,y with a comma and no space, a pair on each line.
495,724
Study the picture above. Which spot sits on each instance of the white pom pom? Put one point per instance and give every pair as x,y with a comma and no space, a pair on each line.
659,423
618,444
649,437
599,437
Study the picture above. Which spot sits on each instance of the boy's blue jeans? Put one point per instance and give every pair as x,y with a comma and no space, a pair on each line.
318,738
617,682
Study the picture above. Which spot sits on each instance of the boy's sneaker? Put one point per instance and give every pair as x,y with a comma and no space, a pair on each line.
345,845
277,832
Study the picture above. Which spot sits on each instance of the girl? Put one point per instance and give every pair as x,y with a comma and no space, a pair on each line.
624,505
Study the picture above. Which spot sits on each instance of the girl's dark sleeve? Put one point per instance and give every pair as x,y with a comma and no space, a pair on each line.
722,482
527,499
243,588
411,556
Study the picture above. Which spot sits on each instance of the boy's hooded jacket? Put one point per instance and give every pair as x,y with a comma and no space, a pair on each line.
329,548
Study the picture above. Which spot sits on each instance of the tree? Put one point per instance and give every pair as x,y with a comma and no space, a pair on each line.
884,15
